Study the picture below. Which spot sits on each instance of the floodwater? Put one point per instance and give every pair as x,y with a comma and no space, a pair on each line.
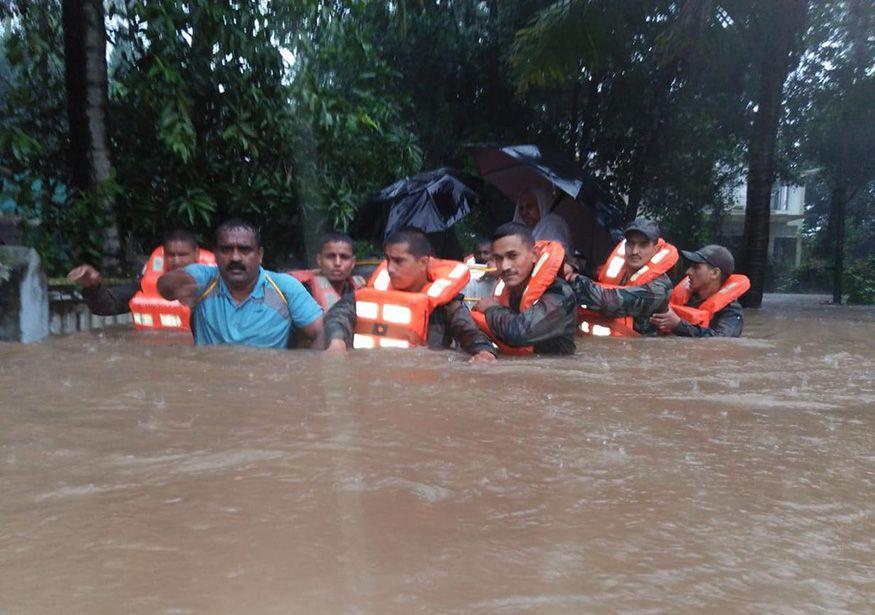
653,475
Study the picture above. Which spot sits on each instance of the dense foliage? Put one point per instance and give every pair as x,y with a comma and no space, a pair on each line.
293,112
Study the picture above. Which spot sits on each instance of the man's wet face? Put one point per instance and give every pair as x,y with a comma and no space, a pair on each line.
639,250
530,213
336,260
702,275
406,271
179,254
514,259
238,257
482,252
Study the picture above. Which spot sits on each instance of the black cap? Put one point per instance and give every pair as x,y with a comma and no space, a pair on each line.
646,227
714,255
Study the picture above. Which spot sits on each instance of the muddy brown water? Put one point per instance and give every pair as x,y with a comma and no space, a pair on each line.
652,475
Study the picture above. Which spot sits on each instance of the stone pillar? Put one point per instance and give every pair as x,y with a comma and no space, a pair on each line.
24,297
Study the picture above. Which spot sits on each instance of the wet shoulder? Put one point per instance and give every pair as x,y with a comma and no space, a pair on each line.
562,292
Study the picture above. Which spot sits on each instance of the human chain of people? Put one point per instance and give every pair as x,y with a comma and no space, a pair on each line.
520,292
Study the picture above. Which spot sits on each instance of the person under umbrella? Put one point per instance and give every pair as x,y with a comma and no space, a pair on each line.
533,210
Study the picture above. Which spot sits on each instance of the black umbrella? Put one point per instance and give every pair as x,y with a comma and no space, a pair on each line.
589,210
431,201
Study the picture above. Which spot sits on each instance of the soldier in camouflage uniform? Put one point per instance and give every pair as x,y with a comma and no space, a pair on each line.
549,324
710,267
407,254
641,301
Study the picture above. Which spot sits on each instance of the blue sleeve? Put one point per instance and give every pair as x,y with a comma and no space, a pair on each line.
202,274
302,307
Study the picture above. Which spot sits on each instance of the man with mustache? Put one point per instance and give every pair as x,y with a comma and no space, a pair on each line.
628,299
548,325
239,302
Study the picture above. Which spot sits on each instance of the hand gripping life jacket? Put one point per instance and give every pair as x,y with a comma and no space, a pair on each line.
733,288
320,288
152,311
388,318
550,255
612,275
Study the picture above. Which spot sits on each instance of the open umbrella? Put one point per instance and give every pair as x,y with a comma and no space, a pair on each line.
589,210
431,201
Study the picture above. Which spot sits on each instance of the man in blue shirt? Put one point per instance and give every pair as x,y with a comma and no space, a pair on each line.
239,302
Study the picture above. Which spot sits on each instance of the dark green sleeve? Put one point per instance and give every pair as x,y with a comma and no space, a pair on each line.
552,316
109,301
642,300
465,331
339,322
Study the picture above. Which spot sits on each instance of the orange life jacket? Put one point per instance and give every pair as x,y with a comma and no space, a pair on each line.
388,318
550,255
613,274
320,288
733,288
152,311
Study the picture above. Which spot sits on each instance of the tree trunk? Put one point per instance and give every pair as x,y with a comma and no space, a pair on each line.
785,21
838,203
86,83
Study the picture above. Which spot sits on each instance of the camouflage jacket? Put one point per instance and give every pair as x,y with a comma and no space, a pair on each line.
725,323
640,302
109,300
549,325
448,323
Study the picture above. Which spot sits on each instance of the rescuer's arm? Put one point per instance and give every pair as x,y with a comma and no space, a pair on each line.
102,300
339,324
465,331
179,286
548,318
312,335
640,300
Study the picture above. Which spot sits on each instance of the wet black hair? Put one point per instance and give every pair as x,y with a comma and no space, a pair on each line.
179,234
235,224
517,229
417,242
480,240
335,236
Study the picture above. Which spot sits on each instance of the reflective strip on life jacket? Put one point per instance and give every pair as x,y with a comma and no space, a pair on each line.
388,318
615,270
149,310
733,288
614,274
551,256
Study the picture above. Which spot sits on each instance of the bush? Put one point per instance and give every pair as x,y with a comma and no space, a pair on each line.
860,282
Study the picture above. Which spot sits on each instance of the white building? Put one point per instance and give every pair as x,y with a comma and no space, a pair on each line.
785,224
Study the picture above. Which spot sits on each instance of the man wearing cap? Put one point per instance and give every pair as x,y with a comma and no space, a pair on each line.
710,268
621,290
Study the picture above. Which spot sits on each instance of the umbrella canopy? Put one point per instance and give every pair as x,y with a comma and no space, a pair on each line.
431,201
589,210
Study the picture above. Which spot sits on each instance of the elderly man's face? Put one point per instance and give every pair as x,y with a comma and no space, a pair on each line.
530,213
